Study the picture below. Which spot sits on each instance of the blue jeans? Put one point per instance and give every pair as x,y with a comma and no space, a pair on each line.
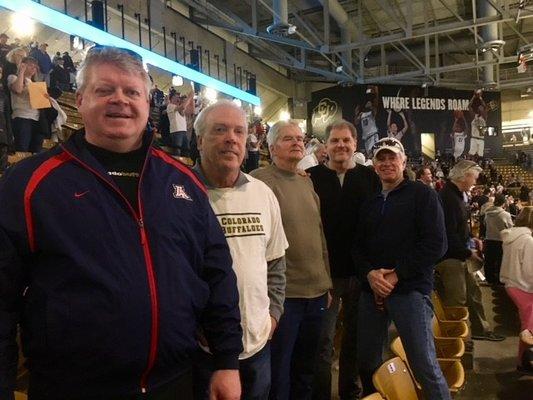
28,136
294,348
348,290
254,373
411,313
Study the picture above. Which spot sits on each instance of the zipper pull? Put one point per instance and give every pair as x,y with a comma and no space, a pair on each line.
143,233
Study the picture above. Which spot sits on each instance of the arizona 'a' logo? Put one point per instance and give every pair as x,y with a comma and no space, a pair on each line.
180,193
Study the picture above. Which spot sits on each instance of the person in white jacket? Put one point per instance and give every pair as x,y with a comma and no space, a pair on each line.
517,275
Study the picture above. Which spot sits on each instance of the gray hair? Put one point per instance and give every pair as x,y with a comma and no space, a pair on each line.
124,59
463,168
275,130
341,124
200,124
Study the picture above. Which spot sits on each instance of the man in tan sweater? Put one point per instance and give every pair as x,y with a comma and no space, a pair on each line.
308,281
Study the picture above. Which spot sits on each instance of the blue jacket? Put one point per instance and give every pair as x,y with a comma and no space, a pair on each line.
109,299
404,231
43,59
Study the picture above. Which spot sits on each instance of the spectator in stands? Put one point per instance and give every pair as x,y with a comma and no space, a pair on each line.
317,156
44,61
295,342
517,275
493,173
56,58
60,77
158,97
479,198
256,240
253,144
4,48
424,175
513,207
524,193
484,198
176,109
68,63
13,59
496,220
439,184
409,173
400,237
341,187
26,129
70,67
456,284
111,285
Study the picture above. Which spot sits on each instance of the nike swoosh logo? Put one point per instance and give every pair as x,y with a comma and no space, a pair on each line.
78,194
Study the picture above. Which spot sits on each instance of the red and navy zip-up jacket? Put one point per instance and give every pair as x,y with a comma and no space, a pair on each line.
109,298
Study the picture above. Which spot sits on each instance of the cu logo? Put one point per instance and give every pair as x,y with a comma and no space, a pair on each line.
324,111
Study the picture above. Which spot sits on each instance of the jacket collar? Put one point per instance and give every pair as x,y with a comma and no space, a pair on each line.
75,146
454,189
401,185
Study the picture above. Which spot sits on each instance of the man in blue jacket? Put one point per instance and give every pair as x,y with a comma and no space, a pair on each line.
401,236
109,287
45,62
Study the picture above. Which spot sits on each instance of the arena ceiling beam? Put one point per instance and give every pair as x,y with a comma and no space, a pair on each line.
422,32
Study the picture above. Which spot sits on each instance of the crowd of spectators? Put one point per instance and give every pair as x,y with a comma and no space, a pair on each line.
522,158
23,128
240,277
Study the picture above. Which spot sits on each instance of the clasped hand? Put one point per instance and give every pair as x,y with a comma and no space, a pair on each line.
382,281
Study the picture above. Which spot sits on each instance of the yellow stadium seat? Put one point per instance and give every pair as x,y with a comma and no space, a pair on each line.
454,373
456,329
448,313
449,347
373,396
20,396
452,369
394,381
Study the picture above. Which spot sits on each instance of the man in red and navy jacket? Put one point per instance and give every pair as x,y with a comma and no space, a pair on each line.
111,259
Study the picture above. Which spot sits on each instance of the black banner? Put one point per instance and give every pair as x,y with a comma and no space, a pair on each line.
460,121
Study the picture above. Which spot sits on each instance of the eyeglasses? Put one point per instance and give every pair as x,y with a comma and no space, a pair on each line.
387,143
98,48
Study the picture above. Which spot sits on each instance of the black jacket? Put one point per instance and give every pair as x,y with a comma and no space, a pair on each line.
339,208
456,217
404,231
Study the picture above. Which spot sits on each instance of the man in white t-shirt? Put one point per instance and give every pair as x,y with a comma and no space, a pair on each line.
249,214
177,119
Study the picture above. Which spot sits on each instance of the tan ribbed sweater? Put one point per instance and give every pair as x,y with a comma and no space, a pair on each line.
307,257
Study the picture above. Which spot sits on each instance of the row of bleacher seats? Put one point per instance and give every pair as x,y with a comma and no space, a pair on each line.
394,379
507,170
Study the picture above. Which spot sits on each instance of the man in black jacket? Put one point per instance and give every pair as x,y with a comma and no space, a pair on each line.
342,187
400,237
456,284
